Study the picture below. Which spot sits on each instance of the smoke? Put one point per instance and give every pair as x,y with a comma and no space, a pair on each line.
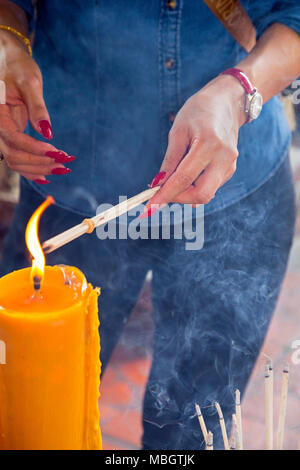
212,306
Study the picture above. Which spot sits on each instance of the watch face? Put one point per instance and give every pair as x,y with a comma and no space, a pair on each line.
255,105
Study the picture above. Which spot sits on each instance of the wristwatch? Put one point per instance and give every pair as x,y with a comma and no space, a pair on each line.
253,99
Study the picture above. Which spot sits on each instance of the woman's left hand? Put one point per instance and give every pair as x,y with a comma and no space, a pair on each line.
202,149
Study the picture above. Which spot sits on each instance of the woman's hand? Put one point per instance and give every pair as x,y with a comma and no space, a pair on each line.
202,149
24,100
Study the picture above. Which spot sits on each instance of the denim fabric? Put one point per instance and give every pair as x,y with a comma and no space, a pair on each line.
212,307
111,96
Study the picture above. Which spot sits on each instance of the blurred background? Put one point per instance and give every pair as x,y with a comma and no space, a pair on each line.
123,384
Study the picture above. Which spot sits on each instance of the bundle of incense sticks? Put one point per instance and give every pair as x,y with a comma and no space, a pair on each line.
236,441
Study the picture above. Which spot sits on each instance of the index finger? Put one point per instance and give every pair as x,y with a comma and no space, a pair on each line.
183,177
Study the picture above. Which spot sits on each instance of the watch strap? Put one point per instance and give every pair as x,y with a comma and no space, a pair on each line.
242,78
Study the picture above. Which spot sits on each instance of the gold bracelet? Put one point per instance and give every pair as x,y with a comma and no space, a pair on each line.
19,35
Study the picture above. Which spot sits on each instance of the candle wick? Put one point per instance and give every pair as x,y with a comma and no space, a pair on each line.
37,283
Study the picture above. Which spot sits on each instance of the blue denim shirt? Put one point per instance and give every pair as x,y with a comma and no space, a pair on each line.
112,97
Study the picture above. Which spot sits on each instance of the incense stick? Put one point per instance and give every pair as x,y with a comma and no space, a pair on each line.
271,374
238,412
234,441
268,408
210,441
88,225
236,438
201,422
223,427
282,407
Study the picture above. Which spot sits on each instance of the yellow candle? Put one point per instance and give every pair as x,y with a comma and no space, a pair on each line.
50,366
49,384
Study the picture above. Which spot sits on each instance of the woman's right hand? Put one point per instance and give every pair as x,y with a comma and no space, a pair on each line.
24,100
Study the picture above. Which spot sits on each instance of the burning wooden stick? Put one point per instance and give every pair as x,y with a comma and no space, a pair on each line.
269,407
282,407
88,225
238,412
223,426
210,441
201,422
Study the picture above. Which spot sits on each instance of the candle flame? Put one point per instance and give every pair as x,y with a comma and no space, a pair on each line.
33,242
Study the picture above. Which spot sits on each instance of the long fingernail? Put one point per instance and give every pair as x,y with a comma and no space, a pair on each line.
149,211
65,159
157,179
46,129
60,171
55,154
39,181
60,157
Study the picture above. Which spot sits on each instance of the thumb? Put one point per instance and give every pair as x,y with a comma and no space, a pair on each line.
39,118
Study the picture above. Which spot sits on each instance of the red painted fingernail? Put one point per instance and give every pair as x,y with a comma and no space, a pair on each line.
60,171
65,159
157,179
60,157
149,212
55,154
39,181
46,129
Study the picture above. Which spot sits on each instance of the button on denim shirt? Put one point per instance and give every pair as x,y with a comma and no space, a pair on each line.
115,74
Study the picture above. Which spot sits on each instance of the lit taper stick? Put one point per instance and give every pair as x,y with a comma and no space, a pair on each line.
88,225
